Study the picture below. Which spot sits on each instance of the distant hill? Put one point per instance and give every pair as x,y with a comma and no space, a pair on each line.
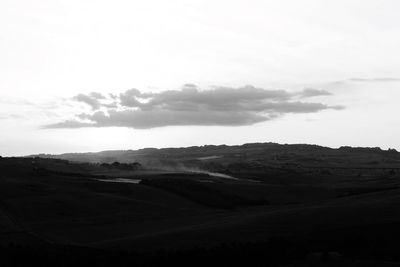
218,157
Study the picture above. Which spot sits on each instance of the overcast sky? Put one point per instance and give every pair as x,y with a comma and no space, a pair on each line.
93,75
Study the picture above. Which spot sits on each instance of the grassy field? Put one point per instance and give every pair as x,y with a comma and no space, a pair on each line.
55,205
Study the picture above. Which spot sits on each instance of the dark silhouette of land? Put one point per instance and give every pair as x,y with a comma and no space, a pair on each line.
260,204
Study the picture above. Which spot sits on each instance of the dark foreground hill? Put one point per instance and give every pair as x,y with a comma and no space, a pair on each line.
250,205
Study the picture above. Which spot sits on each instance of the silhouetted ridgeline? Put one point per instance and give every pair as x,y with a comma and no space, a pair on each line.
268,152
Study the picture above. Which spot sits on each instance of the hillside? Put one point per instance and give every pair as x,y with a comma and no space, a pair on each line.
277,203
271,153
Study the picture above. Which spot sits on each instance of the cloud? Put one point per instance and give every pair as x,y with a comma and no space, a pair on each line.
96,100
93,102
311,92
159,118
384,79
10,116
69,124
222,106
97,95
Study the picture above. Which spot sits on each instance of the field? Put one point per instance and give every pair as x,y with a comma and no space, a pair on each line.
285,205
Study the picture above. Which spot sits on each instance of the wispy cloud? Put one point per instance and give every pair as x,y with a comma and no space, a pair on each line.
383,79
311,92
93,99
222,106
10,116
366,80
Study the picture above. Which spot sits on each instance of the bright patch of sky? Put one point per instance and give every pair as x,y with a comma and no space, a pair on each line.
52,51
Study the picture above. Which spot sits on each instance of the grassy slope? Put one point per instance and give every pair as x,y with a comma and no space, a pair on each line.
43,206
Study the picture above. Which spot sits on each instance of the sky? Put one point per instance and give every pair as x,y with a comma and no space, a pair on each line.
90,75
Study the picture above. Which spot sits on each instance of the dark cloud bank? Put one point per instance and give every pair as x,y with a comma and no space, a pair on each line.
222,106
